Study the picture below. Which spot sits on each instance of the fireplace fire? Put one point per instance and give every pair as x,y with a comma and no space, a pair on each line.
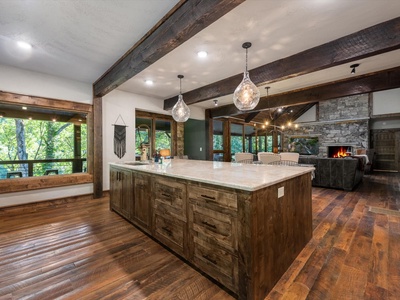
339,151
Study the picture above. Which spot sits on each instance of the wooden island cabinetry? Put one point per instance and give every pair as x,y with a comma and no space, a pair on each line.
242,225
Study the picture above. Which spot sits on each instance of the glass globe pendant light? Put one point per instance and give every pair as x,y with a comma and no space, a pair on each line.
246,95
180,111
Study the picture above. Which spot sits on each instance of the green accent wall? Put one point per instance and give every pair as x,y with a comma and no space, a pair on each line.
195,137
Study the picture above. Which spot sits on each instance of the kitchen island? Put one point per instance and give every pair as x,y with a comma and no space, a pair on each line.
241,224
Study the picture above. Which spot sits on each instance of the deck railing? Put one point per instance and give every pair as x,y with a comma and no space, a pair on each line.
40,167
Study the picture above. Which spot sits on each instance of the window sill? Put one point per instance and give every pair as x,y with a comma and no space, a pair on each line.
42,182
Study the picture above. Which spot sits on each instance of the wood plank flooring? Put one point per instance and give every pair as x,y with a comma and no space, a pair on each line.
354,253
81,250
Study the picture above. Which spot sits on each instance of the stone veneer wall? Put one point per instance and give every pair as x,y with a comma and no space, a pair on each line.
341,121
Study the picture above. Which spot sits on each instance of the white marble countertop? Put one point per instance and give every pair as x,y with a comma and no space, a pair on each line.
248,177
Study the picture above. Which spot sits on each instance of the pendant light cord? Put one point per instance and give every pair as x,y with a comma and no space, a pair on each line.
180,86
246,59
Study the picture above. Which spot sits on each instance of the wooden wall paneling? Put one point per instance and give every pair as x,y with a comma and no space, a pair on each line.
56,104
97,147
41,182
90,141
227,139
210,136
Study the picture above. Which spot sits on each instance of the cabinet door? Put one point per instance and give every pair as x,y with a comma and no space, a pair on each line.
121,192
115,190
126,193
142,201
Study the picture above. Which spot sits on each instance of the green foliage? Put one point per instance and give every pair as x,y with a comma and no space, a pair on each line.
43,140
218,142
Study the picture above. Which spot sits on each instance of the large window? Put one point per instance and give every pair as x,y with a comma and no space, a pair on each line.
236,139
163,135
218,141
250,144
154,132
37,141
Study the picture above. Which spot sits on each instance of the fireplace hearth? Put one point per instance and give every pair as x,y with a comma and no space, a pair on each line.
339,151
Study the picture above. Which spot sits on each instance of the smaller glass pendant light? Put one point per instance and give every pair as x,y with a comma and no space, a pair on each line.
246,95
180,111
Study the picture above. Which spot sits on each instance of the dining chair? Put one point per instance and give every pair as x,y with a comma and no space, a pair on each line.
267,157
241,156
293,156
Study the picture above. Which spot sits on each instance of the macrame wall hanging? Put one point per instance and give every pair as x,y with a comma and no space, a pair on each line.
119,138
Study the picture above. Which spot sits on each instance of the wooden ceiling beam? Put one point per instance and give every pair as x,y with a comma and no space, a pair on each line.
251,116
185,20
368,42
377,81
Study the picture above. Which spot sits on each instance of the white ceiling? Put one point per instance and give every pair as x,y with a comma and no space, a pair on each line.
80,40
75,39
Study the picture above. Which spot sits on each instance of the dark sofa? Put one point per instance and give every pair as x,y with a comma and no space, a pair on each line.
338,173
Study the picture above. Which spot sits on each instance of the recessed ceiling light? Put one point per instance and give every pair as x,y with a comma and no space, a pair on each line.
24,45
24,108
149,82
202,54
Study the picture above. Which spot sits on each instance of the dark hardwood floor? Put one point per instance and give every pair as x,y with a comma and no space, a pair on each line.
80,250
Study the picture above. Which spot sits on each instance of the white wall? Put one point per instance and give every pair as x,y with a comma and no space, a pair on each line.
37,84
385,124
123,103
30,83
309,116
197,113
386,102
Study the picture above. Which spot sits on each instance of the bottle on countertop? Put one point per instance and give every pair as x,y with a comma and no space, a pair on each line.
156,157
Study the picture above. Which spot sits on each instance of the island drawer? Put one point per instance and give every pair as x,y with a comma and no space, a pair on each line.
171,193
215,227
213,197
216,262
171,232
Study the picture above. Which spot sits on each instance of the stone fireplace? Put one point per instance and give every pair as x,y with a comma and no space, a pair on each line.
339,151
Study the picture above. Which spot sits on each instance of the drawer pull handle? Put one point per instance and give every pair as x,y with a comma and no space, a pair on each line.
210,259
167,230
166,195
210,225
209,199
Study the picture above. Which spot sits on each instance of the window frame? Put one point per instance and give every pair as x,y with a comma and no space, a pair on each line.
154,117
40,182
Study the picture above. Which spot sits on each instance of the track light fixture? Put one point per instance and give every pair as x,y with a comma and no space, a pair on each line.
267,89
353,68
